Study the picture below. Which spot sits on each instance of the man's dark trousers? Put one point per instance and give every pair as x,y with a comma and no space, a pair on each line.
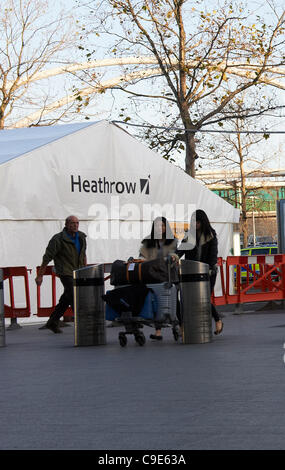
65,300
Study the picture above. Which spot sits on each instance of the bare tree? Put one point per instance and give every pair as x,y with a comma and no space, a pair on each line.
238,152
35,34
198,52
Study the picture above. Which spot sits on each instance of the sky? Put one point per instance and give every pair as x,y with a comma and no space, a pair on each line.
109,104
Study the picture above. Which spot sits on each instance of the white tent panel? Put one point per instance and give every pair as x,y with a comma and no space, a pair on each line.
95,165
114,184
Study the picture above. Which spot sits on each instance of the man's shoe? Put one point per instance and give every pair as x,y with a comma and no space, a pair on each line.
53,326
63,324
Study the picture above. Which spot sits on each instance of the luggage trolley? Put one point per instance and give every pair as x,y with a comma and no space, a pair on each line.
133,306
136,305
166,312
167,299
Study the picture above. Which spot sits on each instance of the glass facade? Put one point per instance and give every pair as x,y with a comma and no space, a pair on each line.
262,199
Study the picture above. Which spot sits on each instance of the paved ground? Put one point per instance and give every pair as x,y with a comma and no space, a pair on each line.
227,394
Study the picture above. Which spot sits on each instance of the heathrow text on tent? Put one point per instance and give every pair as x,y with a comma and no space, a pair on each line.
104,186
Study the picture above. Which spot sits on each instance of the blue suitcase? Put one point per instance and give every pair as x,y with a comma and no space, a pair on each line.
148,311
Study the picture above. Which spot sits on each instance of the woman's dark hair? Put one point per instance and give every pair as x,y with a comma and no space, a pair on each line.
202,217
168,236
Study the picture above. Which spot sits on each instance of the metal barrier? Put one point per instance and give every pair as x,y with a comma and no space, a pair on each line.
89,307
195,302
10,310
2,318
46,311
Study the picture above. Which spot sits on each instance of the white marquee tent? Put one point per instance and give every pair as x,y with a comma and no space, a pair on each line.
113,183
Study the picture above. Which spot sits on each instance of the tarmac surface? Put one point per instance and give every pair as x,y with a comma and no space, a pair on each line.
223,395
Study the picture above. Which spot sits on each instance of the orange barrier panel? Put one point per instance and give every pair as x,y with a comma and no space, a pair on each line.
262,284
10,310
46,311
221,299
266,283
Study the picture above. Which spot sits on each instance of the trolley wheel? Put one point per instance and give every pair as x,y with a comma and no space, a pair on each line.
140,339
123,340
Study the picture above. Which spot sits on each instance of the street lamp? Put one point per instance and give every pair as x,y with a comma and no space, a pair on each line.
253,218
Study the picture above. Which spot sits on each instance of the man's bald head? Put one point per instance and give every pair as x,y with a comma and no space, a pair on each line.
72,224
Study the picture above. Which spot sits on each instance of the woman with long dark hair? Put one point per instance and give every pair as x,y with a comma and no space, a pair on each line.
206,251
160,243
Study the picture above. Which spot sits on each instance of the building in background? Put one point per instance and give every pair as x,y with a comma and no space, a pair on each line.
262,190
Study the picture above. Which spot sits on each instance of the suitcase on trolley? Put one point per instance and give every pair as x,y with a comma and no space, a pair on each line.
124,304
118,300
166,297
128,307
142,272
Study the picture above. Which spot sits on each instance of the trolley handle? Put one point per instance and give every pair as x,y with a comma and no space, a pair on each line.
171,261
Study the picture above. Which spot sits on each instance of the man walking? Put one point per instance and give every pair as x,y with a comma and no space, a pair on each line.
68,250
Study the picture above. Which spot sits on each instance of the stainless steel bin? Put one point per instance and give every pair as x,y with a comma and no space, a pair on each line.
89,307
195,297
2,314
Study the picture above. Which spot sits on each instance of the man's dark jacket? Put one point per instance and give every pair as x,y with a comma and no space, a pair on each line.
63,251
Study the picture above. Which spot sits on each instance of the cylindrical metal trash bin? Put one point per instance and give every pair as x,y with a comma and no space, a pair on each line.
2,316
195,297
89,308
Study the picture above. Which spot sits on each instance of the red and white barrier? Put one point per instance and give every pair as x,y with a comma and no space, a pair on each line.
10,274
264,279
242,279
46,311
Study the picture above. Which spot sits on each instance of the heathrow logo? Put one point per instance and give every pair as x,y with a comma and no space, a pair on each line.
103,185
145,185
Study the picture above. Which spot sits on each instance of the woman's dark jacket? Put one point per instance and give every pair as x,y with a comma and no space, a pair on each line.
205,251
